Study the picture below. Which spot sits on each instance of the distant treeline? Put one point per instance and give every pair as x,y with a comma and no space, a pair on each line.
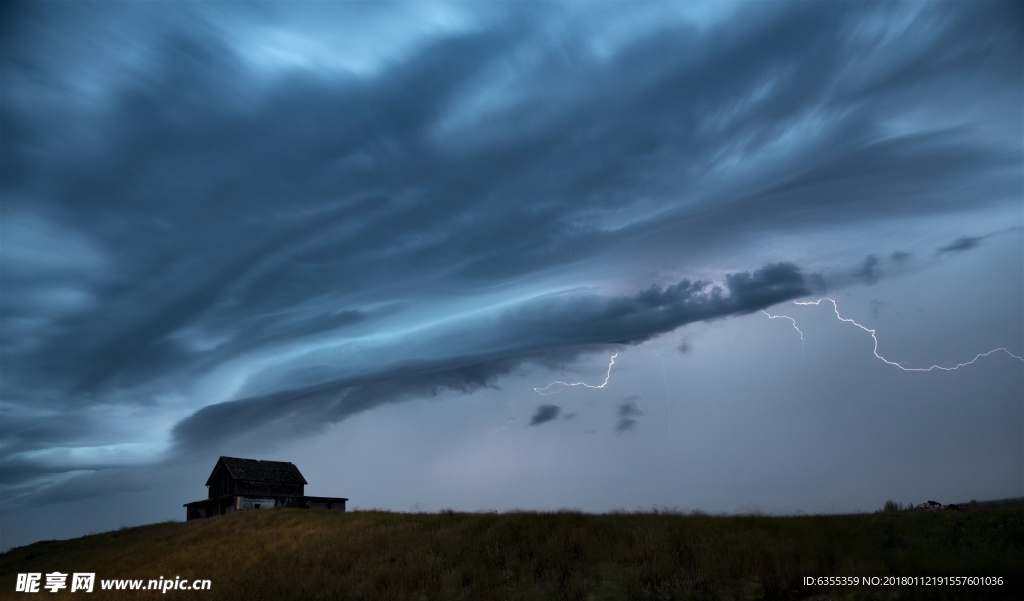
1012,501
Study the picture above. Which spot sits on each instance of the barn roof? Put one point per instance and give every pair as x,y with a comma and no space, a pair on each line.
254,470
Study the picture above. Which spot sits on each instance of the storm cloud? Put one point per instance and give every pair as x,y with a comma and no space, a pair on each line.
869,270
234,227
961,244
628,412
544,414
522,335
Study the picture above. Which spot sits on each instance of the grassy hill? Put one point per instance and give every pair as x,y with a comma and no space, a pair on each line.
282,554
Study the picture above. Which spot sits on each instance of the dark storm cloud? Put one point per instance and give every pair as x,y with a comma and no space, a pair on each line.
873,268
535,332
869,270
629,408
84,485
284,414
280,155
628,412
908,168
900,257
567,321
767,286
961,244
545,413
181,210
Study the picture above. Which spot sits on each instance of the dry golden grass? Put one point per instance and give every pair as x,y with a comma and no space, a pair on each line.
297,554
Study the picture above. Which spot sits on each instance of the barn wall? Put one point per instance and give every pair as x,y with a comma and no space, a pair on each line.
244,503
267,489
199,512
221,483
333,504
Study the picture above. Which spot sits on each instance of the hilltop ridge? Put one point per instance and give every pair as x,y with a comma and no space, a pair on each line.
307,554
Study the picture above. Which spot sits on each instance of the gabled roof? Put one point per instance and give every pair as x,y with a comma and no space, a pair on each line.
254,470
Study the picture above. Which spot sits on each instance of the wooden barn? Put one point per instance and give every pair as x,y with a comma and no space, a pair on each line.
242,484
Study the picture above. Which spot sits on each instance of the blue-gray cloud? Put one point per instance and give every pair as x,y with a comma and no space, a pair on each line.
526,334
545,413
245,248
961,244
869,270
628,412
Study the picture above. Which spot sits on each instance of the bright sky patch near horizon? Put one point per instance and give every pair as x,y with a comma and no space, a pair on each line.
360,236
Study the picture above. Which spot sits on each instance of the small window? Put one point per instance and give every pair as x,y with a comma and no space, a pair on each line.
256,506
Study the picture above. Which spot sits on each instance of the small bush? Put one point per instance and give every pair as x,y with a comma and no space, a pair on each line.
893,506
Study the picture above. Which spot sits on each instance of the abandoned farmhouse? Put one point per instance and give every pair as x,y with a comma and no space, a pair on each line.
241,484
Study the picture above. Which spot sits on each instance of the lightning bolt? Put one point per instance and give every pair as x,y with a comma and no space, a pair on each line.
509,419
795,327
564,385
560,386
874,337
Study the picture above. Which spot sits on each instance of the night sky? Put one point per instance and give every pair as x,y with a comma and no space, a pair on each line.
365,237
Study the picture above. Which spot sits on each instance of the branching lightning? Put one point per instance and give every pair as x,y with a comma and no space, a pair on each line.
563,385
559,386
795,327
874,337
511,418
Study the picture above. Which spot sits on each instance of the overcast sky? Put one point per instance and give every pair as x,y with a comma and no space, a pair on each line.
365,238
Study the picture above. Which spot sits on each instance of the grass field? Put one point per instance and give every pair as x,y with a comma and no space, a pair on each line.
283,554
